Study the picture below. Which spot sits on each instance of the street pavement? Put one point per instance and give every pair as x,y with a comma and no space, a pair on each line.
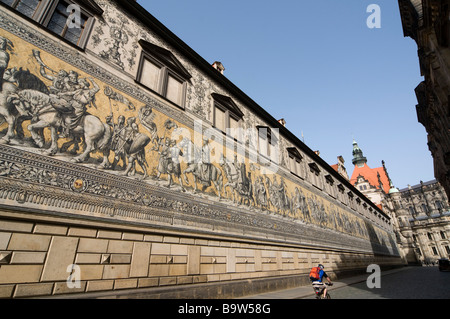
401,283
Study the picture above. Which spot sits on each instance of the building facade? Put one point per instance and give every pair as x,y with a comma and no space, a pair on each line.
374,183
423,215
129,163
427,22
420,214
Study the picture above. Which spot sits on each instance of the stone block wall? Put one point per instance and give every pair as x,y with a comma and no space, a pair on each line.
35,258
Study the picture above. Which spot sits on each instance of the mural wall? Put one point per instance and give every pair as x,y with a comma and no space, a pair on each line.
65,108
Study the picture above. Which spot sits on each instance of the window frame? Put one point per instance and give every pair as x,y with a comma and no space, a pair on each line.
182,94
230,110
46,9
15,3
225,117
330,185
270,140
316,175
434,250
295,162
84,36
169,67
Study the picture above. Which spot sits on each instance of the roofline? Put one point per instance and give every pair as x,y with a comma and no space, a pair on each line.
149,20
433,181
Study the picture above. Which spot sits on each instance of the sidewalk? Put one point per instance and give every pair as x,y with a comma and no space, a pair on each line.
306,291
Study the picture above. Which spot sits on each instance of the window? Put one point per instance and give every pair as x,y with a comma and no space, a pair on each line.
434,251
59,23
219,118
443,235
315,176
447,249
341,190
329,185
56,16
152,74
174,91
26,7
161,72
430,237
267,140
419,252
227,116
295,162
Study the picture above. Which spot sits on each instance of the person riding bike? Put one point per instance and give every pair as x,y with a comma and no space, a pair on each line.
316,276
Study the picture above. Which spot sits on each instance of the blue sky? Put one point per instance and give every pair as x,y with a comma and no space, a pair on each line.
318,65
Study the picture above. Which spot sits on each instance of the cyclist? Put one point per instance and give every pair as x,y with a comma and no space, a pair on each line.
316,276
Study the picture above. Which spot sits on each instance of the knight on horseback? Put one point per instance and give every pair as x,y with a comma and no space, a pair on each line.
77,105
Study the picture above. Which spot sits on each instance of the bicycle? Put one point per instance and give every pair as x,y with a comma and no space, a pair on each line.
319,288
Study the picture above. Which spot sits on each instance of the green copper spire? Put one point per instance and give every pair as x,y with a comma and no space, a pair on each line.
358,158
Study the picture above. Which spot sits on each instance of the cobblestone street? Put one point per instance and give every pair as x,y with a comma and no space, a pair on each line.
410,283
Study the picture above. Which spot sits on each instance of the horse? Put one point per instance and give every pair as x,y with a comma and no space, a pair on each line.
14,81
239,184
8,111
205,173
95,134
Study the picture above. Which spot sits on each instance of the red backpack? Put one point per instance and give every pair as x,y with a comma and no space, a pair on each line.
314,273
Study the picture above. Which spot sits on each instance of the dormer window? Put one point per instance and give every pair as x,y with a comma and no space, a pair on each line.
161,72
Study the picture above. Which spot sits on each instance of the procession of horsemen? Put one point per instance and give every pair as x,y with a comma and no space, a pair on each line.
63,106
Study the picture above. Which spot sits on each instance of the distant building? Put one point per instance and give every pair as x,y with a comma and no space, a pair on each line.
374,183
423,219
340,168
427,23
420,214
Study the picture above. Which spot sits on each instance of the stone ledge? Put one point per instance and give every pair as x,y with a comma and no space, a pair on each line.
219,290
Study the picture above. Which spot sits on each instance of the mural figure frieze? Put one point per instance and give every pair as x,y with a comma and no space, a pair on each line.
51,108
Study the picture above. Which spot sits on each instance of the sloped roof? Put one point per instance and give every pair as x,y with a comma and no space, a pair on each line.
371,175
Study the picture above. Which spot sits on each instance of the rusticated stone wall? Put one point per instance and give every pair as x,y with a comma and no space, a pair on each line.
37,250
